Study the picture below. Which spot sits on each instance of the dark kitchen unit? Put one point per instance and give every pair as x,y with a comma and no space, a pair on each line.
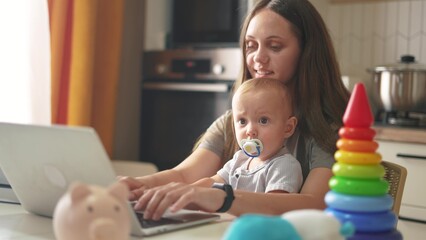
183,92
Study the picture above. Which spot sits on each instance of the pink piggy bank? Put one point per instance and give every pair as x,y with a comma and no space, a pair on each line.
89,212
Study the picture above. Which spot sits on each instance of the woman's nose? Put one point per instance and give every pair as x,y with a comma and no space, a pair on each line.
261,56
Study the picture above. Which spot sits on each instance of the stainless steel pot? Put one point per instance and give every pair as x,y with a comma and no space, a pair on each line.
400,86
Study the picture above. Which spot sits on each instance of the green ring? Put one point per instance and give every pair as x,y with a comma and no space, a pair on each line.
358,171
365,187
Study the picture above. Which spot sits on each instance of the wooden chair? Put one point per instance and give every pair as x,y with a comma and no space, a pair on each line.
395,175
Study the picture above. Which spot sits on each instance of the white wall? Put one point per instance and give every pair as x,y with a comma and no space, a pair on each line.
25,62
373,33
157,23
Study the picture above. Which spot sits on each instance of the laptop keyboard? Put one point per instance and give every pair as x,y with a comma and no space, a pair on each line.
154,223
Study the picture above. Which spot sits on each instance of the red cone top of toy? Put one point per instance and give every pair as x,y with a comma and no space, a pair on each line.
358,112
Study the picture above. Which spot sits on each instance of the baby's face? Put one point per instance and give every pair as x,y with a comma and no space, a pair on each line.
261,115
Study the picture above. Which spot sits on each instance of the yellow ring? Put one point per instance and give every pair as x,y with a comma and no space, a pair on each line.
358,171
357,158
357,145
364,187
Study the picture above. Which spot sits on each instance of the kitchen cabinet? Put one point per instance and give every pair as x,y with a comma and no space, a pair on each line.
411,230
413,157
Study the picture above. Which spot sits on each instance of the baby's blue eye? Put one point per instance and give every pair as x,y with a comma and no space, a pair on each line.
263,121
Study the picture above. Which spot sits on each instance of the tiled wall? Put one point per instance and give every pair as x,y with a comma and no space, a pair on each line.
372,33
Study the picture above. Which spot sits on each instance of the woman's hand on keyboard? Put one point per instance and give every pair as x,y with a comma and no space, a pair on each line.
176,196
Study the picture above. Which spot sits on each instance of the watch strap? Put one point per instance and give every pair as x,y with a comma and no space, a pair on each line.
229,198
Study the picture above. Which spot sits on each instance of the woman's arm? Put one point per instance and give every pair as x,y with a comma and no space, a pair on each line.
177,196
208,182
201,163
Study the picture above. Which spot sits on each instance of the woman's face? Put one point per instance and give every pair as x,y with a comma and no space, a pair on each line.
272,48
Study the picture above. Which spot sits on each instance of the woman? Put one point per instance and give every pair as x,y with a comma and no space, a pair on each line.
288,41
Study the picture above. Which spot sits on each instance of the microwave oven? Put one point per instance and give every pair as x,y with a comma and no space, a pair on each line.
207,23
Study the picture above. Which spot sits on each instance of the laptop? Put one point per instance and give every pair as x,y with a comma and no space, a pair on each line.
41,161
6,193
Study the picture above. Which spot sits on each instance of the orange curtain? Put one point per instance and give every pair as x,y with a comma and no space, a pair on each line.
86,49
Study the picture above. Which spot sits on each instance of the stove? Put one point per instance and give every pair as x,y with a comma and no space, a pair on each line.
401,119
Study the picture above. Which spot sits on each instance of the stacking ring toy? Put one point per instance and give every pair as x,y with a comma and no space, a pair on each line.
388,235
357,158
353,186
353,203
367,222
357,133
357,145
358,170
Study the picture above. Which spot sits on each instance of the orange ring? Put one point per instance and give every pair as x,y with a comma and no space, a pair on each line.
357,158
357,133
357,145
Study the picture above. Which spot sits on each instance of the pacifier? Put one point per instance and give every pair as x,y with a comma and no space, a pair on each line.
251,147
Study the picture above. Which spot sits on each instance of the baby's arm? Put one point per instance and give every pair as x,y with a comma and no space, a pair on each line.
208,182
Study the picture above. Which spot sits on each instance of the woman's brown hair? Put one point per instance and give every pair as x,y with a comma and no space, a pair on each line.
319,93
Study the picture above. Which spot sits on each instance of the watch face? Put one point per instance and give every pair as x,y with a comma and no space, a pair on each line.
227,187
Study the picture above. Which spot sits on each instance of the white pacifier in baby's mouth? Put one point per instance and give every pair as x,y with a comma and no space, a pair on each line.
251,147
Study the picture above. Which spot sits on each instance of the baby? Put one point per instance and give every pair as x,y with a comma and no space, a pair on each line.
263,119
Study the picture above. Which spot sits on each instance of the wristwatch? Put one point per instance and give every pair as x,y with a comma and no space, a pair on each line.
229,198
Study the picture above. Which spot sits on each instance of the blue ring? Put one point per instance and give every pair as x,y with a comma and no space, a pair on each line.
253,155
367,222
353,203
390,235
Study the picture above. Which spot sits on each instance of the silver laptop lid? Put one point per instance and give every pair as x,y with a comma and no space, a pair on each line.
41,161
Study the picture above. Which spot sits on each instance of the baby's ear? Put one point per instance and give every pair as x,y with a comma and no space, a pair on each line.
290,126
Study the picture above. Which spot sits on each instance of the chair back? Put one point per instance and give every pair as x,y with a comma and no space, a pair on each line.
395,175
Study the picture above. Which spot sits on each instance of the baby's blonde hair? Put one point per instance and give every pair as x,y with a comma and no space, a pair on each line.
267,84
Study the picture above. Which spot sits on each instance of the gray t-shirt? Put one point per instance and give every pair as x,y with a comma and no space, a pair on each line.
280,172
305,150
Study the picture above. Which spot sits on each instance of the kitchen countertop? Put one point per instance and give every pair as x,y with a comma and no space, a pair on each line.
398,134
